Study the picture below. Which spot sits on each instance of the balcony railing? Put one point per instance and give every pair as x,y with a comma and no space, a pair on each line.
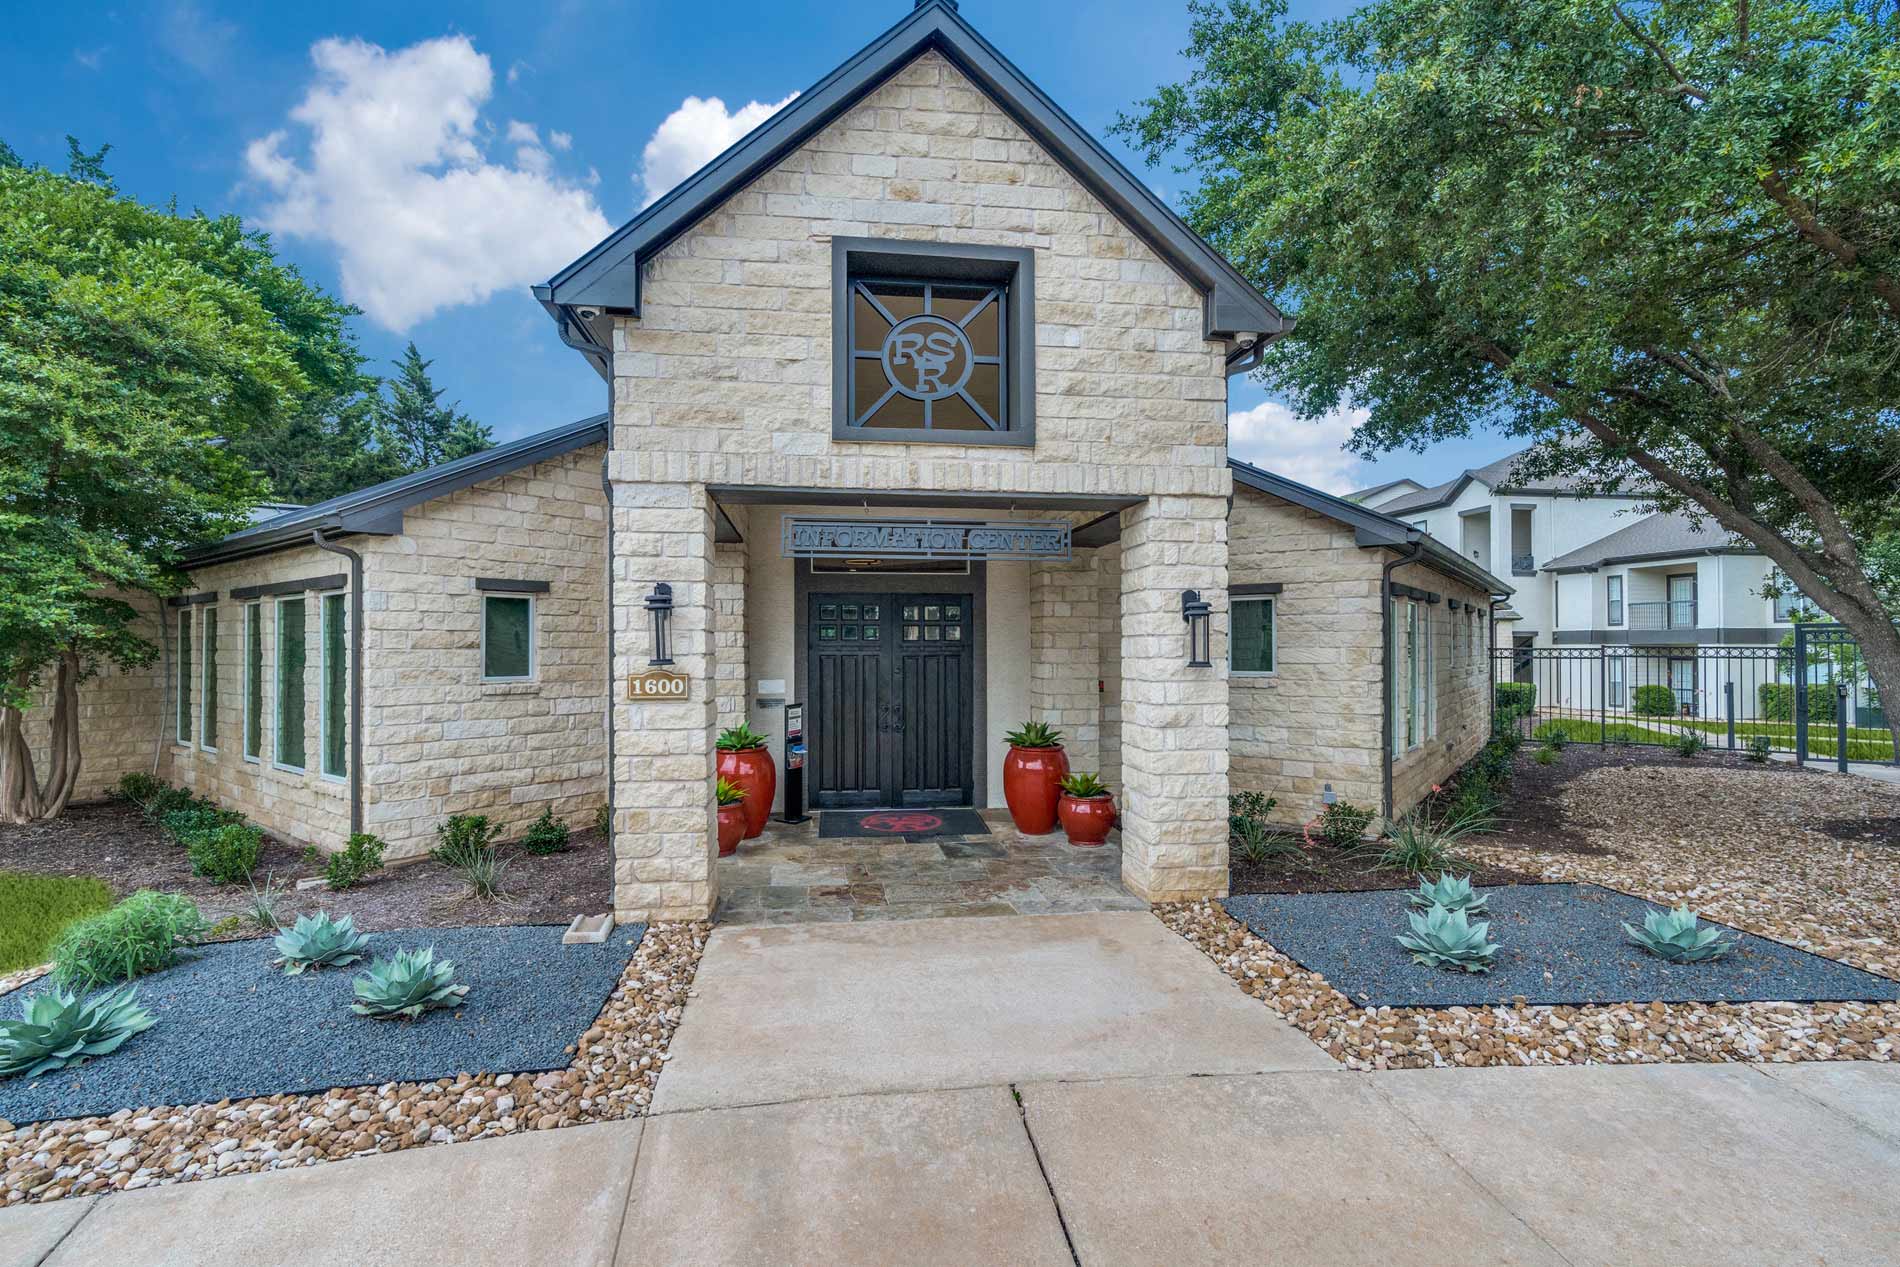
1523,565
1676,614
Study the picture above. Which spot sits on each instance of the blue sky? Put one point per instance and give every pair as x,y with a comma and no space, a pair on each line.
429,160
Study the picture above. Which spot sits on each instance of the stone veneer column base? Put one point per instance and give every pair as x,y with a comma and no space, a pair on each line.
665,839
1174,719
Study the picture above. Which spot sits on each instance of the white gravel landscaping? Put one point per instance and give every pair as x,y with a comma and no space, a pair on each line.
616,1063
1746,846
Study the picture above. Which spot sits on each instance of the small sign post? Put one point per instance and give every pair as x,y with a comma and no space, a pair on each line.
794,763
658,684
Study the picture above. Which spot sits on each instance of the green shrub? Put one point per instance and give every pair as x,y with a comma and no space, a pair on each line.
604,821
1343,823
466,842
355,860
227,855
1758,749
546,835
262,908
1546,755
1689,743
188,825
138,787
58,1030
1777,701
1417,844
739,738
1653,700
167,800
1516,698
141,934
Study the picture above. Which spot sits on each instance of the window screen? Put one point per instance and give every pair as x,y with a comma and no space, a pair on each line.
253,679
1250,649
335,675
187,669
291,635
208,713
507,638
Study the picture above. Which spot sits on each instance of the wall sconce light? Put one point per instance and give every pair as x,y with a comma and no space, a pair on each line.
660,613
1198,614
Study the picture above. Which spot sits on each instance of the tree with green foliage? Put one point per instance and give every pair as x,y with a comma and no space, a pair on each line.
1658,238
414,428
139,349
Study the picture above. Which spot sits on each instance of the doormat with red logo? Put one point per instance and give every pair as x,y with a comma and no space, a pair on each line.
904,824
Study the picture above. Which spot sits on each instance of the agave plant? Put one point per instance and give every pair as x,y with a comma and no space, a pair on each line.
1453,892
1448,939
317,941
61,1029
408,985
1673,935
1033,734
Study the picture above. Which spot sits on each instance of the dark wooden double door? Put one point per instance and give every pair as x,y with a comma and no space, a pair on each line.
890,680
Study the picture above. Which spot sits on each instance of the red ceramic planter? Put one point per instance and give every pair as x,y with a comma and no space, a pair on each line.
751,769
1032,783
1086,820
731,828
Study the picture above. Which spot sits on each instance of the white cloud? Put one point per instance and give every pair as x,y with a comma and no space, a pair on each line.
388,167
1274,438
561,140
692,136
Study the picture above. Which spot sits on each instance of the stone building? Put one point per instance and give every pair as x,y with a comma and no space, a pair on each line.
917,421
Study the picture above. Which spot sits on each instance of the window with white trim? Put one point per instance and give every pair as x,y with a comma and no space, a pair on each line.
208,679
1613,594
508,638
187,670
1251,650
292,635
332,705
253,680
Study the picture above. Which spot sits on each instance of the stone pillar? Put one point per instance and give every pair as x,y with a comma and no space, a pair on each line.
1174,718
665,841
1065,651
729,645
1108,588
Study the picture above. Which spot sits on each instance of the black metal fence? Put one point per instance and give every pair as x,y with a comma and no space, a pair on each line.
1811,698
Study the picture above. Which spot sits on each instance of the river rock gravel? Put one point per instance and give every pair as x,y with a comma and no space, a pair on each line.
611,1076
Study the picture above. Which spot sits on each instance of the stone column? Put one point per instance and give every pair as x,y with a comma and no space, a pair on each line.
1065,650
1173,718
665,841
729,645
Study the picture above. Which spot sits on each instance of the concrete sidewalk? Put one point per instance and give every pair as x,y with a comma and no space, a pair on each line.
976,1095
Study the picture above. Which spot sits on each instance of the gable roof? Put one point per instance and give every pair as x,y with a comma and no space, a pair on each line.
1364,496
1662,536
1498,476
1372,529
608,276
379,508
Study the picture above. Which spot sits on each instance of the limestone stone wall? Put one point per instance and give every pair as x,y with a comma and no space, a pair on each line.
120,715
725,378
302,806
438,740
1065,649
1318,719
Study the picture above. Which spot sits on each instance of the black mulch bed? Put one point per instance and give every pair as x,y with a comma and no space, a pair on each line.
1558,943
230,1025
1866,831
116,843
909,824
1328,869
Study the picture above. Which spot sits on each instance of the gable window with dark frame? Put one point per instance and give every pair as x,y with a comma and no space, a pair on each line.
508,649
932,342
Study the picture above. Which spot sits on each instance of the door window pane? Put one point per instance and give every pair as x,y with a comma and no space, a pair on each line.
1250,649
507,638
335,673
290,666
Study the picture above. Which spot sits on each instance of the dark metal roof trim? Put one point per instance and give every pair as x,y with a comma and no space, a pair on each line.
502,585
194,600
1654,556
1104,529
1254,588
333,581
1371,528
608,276
378,509
766,495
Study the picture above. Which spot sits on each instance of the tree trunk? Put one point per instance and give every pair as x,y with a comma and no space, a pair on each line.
24,797
1879,641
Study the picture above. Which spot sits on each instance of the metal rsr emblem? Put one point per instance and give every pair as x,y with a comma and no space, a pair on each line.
927,357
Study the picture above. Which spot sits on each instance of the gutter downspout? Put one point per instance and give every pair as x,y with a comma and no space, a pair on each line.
1389,723
356,675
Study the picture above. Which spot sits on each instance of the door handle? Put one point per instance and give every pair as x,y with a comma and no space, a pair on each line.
897,718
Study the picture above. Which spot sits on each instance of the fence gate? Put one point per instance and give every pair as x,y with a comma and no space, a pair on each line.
1811,698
